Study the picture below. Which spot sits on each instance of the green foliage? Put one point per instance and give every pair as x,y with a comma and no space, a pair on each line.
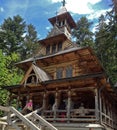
3,98
82,33
8,75
14,30
106,44
18,37
30,44
17,41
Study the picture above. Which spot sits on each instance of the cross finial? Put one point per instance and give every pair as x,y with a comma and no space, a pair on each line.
63,2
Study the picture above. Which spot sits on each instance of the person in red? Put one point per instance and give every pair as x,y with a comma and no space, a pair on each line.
29,107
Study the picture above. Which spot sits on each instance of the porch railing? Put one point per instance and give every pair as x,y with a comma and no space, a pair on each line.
108,120
75,115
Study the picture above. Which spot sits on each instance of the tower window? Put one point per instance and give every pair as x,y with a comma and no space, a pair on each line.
48,49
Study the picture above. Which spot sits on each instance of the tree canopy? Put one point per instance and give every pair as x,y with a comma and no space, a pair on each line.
9,75
18,37
82,32
106,43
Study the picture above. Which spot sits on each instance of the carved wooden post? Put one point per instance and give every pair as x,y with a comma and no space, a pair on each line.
69,104
96,104
104,109
44,102
56,104
100,99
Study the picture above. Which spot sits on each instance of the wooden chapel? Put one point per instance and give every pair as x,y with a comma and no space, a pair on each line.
69,77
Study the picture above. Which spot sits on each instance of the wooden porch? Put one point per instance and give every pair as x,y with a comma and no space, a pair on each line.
33,121
77,101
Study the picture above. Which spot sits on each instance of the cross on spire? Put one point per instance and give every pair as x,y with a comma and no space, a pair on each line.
63,2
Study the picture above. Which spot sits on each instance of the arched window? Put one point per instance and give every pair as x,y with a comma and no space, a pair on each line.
69,71
59,73
32,79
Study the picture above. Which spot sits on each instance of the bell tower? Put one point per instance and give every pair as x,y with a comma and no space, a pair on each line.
63,21
59,38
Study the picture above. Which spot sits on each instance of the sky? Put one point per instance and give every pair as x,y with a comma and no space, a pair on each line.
37,12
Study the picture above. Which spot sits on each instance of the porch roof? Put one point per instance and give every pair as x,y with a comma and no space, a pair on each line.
60,80
90,78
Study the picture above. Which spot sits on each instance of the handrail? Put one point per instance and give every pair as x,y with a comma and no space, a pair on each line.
24,119
44,122
38,110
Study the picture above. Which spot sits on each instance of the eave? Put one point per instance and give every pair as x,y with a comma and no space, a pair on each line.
63,16
48,40
74,82
26,63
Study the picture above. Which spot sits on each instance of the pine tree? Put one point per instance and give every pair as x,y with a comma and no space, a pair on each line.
30,44
100,40
82,33
18,37
106,43
12,37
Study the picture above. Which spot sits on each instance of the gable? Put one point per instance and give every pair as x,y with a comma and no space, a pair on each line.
35,75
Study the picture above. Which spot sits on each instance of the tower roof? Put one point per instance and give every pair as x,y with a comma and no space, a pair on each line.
62,15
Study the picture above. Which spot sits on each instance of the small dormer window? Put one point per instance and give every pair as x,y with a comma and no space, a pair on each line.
48,49
53,48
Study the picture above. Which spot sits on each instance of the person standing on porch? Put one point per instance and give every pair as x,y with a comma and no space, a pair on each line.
28,108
